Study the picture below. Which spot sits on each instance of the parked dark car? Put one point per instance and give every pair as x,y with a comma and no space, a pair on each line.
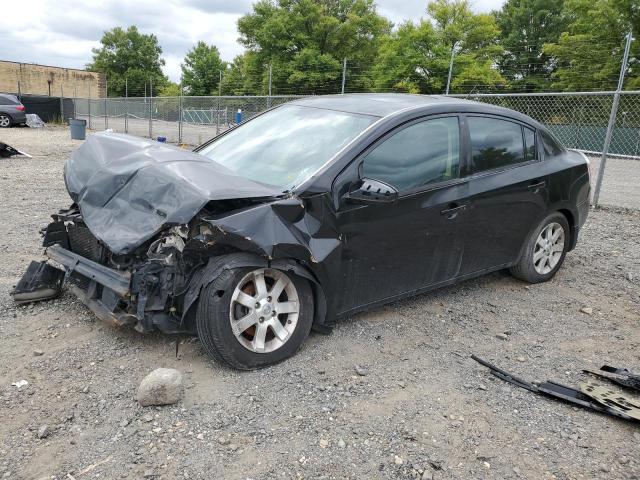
312,211
12,111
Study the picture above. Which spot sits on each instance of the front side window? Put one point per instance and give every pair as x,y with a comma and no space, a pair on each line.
495,143
420,154
287,145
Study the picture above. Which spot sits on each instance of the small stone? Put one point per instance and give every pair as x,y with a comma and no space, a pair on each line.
43,431
147,417
223,440
85,389
587,310
486,464
124,422
397,460
482,387
502,336
163,386
200,436
605,468
341,443
427,475
521,359
38,353
361,371
324,443
623,460
149,473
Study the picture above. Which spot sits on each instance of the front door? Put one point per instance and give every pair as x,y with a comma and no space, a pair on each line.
394,248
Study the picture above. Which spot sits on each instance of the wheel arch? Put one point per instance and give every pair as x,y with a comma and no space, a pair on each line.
217,265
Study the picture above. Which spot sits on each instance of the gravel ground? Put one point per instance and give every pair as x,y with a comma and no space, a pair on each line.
422,409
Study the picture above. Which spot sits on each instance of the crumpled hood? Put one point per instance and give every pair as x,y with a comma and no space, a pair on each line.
129,188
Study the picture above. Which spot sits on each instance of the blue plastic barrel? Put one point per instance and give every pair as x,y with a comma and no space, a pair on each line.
162,139
78,128
239,116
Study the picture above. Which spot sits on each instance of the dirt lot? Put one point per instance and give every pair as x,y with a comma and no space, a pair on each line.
423,409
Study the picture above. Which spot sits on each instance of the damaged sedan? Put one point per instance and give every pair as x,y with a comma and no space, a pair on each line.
309,212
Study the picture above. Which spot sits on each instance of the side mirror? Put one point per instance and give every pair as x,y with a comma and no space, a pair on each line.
373,191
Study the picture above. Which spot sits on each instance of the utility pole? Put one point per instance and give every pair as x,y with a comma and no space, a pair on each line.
453,52
612,120
344,73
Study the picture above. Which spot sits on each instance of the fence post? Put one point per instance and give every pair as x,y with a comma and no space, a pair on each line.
150,107
126,105
106,93
180,116
218,110
344,73
612,120
89,106
75,96
269,96
61,104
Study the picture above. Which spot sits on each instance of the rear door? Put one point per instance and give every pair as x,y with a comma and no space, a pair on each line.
394,248
508,192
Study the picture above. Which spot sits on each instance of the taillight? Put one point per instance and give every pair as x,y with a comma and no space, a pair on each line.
20,108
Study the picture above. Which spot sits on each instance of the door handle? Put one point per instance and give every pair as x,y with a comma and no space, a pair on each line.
537,184
453,210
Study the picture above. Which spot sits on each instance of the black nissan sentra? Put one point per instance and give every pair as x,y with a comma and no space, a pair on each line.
307,213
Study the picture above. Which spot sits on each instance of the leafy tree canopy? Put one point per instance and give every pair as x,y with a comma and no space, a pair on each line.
201,70
129,54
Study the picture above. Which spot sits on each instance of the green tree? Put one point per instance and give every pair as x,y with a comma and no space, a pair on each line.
129,54
526,25
305,42
170,89
201,70
416,57
589,53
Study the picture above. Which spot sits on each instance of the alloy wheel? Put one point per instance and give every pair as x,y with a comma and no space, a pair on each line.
5,121
264,310
549,248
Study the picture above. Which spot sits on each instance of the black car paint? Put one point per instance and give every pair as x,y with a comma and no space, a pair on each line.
351,252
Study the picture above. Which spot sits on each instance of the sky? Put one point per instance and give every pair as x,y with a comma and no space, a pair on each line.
63,32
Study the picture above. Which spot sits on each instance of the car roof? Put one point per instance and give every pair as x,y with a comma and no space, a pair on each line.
377,104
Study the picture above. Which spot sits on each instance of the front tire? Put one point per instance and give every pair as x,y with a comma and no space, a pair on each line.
251,318
545,250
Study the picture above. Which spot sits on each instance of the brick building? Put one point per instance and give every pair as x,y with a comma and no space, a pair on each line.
30,78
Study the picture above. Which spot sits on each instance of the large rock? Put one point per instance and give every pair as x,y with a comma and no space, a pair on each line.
163,386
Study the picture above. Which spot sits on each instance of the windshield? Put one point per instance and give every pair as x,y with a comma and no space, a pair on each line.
285,146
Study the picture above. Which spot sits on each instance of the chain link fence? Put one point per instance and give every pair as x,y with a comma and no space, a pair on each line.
579,120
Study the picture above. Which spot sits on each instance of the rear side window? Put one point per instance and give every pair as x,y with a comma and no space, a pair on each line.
8,100
495,143
420,154
551,147
530,144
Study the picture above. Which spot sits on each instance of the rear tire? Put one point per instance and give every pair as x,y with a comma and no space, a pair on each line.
545,250
5,120
234,297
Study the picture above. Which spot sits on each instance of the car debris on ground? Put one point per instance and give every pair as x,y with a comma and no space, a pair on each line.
7,151
590,396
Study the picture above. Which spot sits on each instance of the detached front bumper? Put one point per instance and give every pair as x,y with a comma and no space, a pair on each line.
104,302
